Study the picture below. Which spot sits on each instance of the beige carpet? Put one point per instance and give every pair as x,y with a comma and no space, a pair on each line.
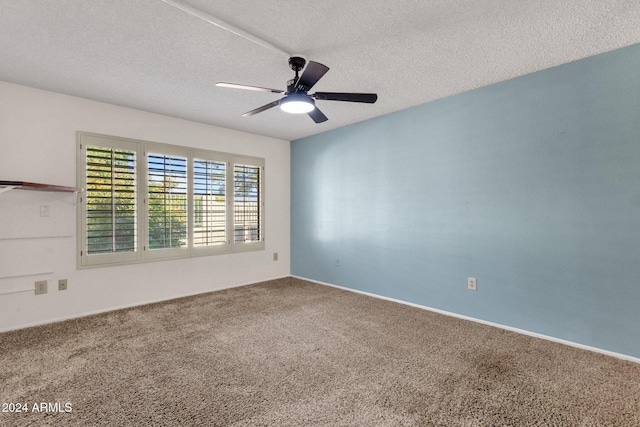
293,353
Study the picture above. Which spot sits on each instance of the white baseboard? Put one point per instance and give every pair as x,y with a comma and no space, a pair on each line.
137,304
484,322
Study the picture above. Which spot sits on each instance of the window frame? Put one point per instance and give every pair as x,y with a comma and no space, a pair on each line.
142,252
96,260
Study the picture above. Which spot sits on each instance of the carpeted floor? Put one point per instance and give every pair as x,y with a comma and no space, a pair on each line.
292,353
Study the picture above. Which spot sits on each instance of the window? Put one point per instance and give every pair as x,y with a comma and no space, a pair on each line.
246,206
109,218
166,204
146,201
209,203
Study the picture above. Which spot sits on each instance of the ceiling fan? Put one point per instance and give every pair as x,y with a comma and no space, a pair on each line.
296,98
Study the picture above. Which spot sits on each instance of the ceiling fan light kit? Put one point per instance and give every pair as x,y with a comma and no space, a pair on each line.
296,99
297,103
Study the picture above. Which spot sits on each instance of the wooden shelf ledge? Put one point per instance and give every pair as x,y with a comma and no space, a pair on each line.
33,186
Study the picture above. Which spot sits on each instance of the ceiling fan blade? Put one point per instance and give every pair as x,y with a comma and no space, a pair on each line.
317,115
311,75
247,87
368,98
261,109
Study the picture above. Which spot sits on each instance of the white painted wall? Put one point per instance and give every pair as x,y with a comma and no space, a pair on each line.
38,144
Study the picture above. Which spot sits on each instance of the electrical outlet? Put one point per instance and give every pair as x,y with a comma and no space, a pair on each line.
337,262
471,283
41,287
62,284
275,256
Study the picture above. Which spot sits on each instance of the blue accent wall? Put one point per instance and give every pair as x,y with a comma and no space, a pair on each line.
532,186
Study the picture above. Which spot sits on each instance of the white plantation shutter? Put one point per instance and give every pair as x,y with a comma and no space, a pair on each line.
167,191
145,201
111,197
209,202
107,171
248,203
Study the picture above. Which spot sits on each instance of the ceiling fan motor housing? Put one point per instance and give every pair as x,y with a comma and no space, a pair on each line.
297,63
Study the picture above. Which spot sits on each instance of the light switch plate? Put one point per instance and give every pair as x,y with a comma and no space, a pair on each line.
41,287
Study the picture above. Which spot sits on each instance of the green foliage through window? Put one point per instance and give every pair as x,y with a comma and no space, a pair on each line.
111,200
167,199
147,201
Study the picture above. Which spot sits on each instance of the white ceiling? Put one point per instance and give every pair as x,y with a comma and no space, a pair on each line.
150,55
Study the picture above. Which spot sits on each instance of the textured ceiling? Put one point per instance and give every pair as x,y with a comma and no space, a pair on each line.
150,55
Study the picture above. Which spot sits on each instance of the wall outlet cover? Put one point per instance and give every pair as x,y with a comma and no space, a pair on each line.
62,284
471,283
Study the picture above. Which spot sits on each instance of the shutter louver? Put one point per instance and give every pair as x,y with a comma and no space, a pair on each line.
110,200
209,203
247,214
167,201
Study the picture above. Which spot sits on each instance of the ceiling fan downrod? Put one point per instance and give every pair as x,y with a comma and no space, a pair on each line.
296,63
